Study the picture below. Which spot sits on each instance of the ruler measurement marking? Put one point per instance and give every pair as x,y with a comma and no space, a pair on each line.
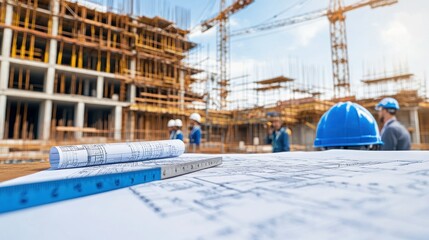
16,197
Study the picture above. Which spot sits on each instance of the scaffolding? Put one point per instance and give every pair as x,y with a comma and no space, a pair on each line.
409,90
73,52
81,74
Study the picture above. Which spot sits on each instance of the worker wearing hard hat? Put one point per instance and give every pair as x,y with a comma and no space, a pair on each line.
278,136
394,135
347,125
171,124
178,129
195,134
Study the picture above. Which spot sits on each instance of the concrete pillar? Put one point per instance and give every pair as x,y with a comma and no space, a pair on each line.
50,74
55,8
50,77
86,86
45,116
100,86
132,91
414,120
79,115
132,124
7,43
2,115
182,89
118,122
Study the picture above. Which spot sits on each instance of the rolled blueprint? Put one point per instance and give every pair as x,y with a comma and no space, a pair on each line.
97,154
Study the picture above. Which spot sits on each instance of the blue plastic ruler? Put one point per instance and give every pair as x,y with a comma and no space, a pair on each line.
16,197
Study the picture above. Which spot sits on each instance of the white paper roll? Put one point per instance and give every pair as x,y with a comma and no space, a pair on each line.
97,154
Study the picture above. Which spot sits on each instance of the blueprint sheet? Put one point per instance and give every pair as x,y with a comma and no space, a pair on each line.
299,195
108,153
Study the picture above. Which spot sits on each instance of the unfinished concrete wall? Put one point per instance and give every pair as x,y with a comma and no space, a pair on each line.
74,70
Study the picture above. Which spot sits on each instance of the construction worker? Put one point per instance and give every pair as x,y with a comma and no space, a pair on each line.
178,129
171,124
393,134
347,125
278,136
195,134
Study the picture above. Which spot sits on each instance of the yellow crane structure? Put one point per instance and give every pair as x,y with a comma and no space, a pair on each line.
336,16
223,40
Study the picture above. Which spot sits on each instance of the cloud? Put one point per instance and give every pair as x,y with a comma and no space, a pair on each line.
397,36
304,34
233,22
406,36
198,36
245,66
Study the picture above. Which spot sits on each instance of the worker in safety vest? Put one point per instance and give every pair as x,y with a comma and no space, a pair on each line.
171,123
178,129
195,134
278,136
347,125
393,134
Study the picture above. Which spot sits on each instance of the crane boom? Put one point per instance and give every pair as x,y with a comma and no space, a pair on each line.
309,16
282,22
371,3
225,13
336,16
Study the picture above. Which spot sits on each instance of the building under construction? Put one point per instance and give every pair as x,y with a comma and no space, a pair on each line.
71,73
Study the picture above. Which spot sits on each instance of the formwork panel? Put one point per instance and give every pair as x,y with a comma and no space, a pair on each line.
63,121
22,119
26,78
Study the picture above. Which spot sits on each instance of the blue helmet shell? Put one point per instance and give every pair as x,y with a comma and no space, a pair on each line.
387,103
347,124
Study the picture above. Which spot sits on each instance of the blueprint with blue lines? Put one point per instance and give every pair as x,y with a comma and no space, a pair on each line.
299,195
85,155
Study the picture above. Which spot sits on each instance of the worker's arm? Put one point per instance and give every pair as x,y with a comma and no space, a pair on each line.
269,139
285,143
389,139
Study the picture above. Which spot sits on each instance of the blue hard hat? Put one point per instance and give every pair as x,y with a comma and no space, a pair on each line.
347,124
387,103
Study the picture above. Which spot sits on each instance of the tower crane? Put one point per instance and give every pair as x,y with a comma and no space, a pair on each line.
336,16
223,38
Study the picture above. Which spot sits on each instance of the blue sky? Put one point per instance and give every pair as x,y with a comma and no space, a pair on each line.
379,40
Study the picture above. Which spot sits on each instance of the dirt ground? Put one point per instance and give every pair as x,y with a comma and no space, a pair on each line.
10,171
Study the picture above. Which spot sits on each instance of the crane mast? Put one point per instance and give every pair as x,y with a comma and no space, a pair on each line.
339,53
223,43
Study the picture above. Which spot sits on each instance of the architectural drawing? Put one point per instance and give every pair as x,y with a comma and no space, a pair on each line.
324,195
97,154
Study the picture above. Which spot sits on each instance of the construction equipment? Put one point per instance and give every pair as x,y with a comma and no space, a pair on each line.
336,16
21,196
222,19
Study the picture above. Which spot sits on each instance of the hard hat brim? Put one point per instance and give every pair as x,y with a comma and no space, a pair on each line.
347,142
